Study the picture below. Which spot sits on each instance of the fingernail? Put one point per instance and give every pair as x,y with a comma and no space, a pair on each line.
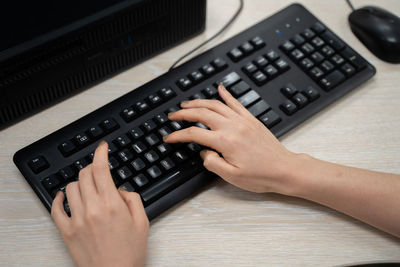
185,102
59,192
202,154
170,114
122,189
165,137
222,87
102,142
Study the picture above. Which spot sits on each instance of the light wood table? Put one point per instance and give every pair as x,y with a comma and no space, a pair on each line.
223,225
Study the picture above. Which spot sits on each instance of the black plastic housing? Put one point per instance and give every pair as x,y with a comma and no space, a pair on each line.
32,77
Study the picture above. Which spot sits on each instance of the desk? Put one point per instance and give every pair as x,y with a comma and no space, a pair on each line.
223,225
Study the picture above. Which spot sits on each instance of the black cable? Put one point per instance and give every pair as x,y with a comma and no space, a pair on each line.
211,38
350,4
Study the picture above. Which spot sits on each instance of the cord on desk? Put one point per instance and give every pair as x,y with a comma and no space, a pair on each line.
238,11
350,4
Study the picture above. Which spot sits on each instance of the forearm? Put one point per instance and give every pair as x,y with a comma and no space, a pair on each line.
369,196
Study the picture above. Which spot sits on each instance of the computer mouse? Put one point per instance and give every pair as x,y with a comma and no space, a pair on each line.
378,30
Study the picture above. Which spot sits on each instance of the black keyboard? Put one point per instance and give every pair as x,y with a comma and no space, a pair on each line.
284,69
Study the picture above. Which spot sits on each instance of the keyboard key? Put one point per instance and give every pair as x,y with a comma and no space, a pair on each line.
300,100
257,42
112,148
184,84
311,93
124,173
193,147
355,60
288,107
151,156
176,126
308,34
141,106
161,118
348,69
135,133
139,147
95,132
67,148
282,65
207,70
306,63
261,61
196,76
297,54
122,141
259,108
332,80
270,119
307,48
109,125
125,155
140,180
229,79
81,139
287,46
80,164
149,126
318,42
163,131
219,64
113,163
170,181
154,172
128,114
167,93
337,59
246,48
198,96
249,68
153,100
318,27
327,51
272,55
180,156
138,164
66,173
289,90
327,66
316,73
167,164
271,71
38,164
332,40
210,92
298,39
152,139
127,187
235,54
164,149
240,88
249,98
317,57
50,182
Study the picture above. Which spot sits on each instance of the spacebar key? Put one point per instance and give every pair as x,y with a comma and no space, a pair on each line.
172,180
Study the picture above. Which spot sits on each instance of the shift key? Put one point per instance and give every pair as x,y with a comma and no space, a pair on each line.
228,80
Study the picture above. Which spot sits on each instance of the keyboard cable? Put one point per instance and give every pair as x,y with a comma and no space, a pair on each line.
350,4
232,19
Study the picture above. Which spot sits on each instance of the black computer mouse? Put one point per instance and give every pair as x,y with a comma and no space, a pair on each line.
378,30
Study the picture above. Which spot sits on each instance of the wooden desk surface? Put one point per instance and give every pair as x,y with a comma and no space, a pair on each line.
223,225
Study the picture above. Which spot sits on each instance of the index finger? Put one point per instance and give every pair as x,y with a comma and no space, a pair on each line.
101,170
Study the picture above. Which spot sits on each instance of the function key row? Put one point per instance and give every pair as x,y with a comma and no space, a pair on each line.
323,56
246,49
91,135
197,76
265,67
150,102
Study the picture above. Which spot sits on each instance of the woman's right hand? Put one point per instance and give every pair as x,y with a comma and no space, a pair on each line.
252,158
